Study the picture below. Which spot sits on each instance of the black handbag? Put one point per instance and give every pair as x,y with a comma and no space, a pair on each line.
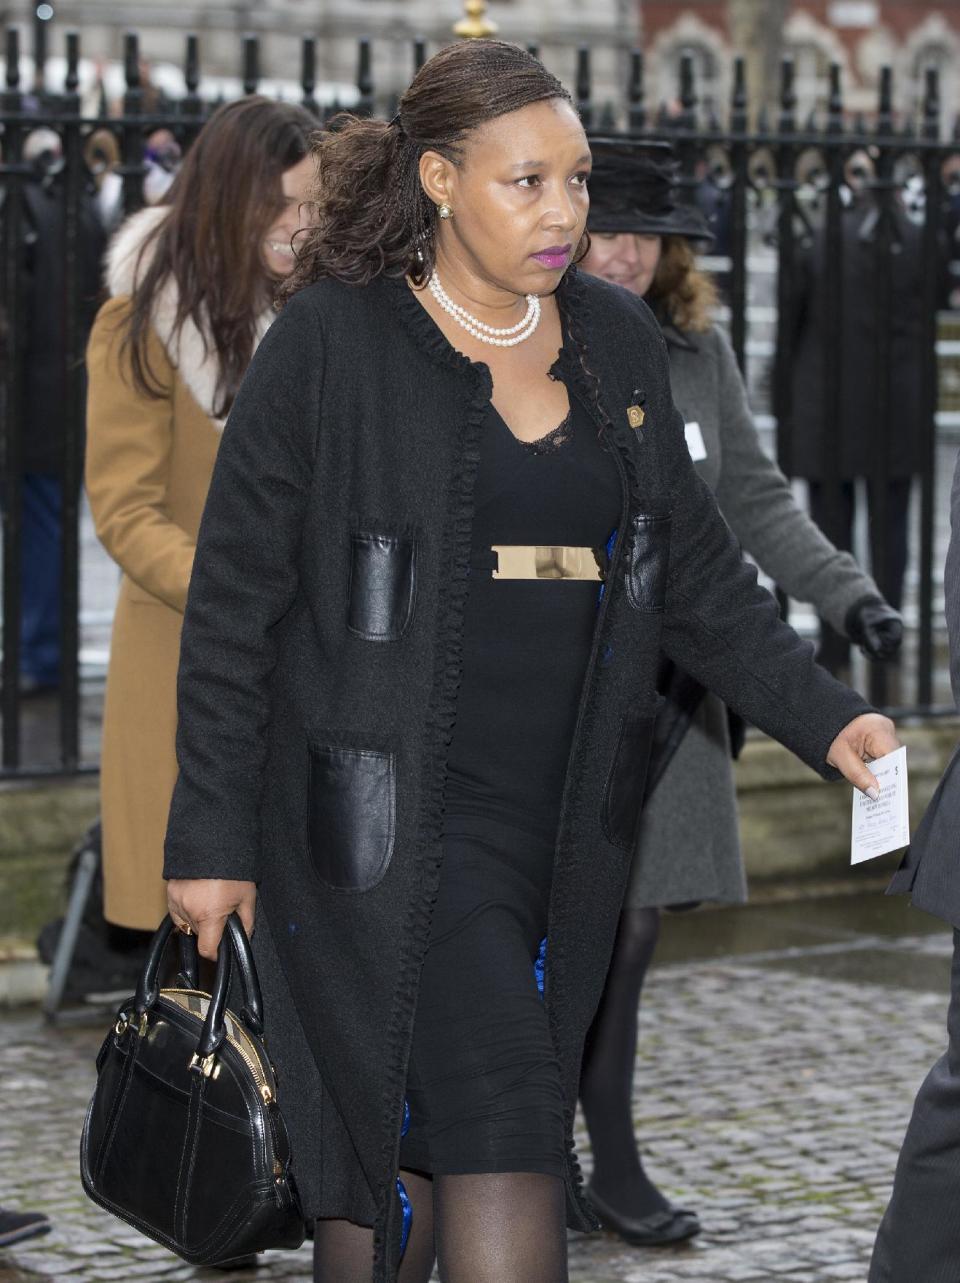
183,1138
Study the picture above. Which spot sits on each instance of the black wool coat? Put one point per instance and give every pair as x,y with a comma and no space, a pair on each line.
862,382
44,364
318,689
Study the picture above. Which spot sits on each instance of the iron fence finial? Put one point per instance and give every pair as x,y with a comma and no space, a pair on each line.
251,64
365,102
636,93
13,59
476,25
72,81
931,103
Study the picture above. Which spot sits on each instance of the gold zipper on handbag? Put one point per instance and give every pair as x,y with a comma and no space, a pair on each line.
237,1036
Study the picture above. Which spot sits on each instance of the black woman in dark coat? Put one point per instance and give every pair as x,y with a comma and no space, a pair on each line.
453,522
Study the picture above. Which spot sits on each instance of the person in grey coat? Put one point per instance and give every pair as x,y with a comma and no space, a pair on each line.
688,846
919,1236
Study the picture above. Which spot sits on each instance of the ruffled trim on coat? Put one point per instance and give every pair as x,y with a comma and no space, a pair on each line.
437,735
573,299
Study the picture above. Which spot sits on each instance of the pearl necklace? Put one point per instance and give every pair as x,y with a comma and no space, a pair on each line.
479,329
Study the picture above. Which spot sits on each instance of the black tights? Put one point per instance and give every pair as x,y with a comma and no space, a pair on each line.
606,1080
504,1228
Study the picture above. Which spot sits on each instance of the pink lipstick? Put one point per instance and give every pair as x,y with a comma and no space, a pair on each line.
554,257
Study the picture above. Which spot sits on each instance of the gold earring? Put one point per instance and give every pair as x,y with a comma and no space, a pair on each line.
444,211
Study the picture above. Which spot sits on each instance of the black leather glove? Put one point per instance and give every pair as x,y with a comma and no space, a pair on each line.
875,627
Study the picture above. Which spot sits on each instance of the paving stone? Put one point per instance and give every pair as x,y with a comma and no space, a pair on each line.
762,1099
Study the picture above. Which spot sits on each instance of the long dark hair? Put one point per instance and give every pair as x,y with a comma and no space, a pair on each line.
222,203
373,216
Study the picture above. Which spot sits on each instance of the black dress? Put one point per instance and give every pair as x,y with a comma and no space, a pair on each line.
484,1086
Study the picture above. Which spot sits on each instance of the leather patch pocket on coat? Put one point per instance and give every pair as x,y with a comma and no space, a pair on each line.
623,796
383,582
352,799
649,559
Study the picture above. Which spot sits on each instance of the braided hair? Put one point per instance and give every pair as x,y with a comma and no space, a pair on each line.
373,216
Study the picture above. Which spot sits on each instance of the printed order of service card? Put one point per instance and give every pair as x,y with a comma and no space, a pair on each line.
884,825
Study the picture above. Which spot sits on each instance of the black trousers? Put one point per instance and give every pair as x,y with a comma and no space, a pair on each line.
919,1236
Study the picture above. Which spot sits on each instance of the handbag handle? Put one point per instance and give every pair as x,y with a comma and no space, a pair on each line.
234,946
188,976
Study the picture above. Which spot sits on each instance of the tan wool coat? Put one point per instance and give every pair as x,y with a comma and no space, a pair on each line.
148,468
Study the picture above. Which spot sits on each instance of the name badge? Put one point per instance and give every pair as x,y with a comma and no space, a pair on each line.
695,443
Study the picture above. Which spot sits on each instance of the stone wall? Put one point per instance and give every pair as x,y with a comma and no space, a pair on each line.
794,826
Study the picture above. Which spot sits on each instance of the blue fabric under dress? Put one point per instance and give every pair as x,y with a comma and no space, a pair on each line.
484,1086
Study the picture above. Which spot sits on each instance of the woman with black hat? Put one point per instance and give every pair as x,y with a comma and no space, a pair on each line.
688,848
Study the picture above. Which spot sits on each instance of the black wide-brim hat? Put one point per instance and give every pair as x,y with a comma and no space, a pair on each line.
633,189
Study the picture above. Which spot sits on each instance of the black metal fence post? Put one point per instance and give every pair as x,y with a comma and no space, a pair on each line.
72,443
739,157
192,107
785,150
11,418
584,87
929,283
804,211
831,264
886,236
131,134
251,64
308,75
636,94
365,103
685,125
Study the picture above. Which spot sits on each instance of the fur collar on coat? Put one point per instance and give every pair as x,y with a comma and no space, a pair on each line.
187,350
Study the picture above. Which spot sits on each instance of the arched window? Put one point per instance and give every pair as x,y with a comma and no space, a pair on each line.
933,54
706,75
811,75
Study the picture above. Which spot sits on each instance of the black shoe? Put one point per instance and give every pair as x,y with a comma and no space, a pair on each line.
16,1226
241,1263
659,1229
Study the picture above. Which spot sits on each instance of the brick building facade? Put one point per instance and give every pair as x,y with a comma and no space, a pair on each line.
861,35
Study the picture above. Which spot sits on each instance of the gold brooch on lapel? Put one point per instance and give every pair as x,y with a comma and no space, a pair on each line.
635,416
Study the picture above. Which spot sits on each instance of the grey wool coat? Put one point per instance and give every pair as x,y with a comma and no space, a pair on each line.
688,845
318,690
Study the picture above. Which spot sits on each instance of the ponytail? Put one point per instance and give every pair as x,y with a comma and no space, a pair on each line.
373,216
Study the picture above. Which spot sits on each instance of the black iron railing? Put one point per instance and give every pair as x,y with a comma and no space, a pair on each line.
788,177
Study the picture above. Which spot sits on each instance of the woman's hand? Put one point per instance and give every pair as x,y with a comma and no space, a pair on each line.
204,904
865,738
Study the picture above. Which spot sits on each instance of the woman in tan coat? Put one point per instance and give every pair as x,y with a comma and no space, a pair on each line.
191,285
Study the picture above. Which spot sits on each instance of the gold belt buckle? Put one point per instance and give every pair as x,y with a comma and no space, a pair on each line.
543,561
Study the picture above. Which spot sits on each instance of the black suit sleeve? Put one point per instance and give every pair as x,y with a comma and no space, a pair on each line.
244,582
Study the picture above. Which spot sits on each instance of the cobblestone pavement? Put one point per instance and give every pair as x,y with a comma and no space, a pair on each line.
771,1096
